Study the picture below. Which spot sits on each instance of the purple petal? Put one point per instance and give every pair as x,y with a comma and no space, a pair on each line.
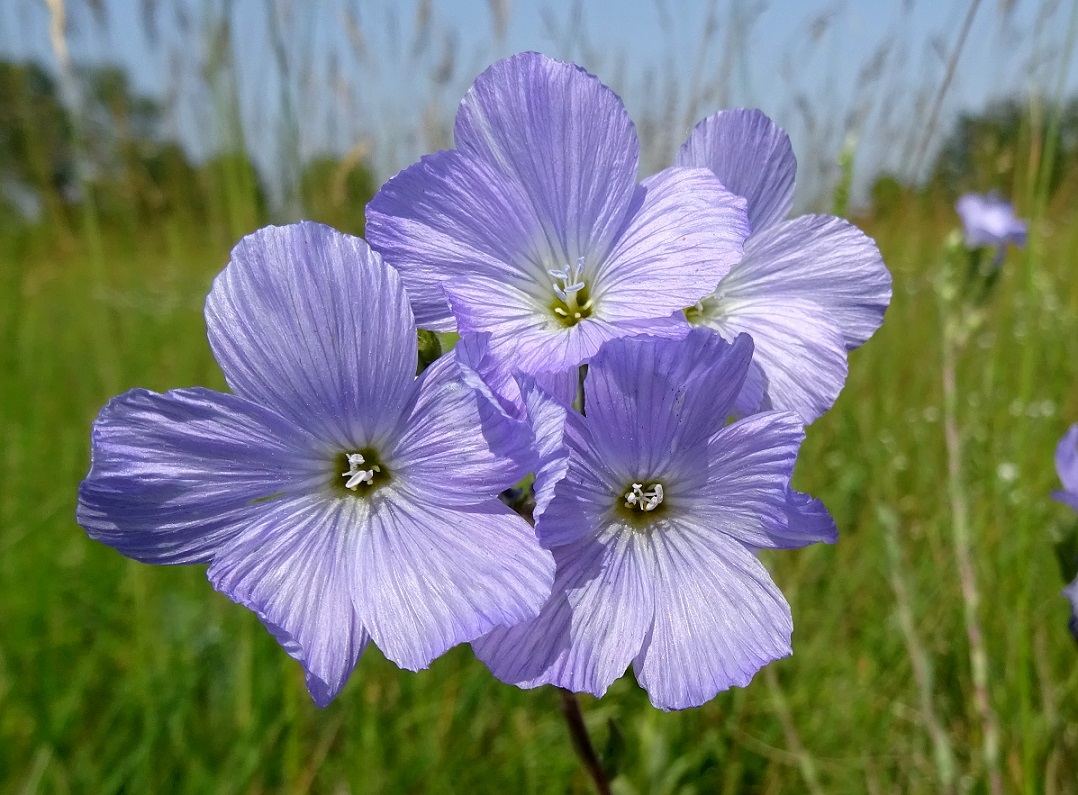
808,521
1067,460
649,401
990,221
456,447
799,352
565,138
718,619
430,577
751,156
592,627
451,215
547,418
513,404
747,495
753,396
487,375
174,475
1071,592
584,495
820,259
561,385
311,323
293,566
684,238
524,339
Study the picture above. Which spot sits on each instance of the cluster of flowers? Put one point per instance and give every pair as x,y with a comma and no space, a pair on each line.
347,500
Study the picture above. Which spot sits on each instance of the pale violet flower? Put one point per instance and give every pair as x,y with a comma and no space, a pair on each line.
808,289
535,229
333,493
655,527
990,221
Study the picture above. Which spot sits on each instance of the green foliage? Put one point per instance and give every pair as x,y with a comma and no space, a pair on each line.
985,150
36,139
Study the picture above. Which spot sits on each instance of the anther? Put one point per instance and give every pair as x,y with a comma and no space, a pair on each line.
644,500
355,474
568,280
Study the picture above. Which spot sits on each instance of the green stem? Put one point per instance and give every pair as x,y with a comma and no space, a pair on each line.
966,572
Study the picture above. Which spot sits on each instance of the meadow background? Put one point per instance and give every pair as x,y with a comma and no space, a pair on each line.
139,141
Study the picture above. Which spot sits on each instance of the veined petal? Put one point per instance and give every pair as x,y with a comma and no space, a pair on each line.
173,476
719,618
429,578
650,401
487,375
748,495
293,565
685,236
474,352
819,259
592,626
522,337
310,322
584,495
800,353
564,138
753,396
807,521
751,156
547,418
452,215
457,448
489,303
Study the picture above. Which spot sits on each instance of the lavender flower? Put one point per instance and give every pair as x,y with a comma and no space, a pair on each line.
1067,467
535,229
335,494
808,290
654,529
990,221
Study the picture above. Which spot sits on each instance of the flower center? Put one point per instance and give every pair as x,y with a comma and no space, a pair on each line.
571,300
645,501
642,506
705,310
365,473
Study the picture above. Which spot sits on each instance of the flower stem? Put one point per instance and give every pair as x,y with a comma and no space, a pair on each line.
578,733
967,575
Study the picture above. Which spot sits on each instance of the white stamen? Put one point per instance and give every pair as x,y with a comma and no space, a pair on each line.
568,280
644,500
356,475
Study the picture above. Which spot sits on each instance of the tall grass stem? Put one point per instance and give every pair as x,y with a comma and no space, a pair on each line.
967,576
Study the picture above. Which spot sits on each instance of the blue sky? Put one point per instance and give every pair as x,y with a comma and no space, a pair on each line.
360,73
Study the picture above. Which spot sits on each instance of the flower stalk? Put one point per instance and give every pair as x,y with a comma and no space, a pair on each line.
956,330
582,745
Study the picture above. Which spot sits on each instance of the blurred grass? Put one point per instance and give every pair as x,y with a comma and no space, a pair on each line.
120,678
